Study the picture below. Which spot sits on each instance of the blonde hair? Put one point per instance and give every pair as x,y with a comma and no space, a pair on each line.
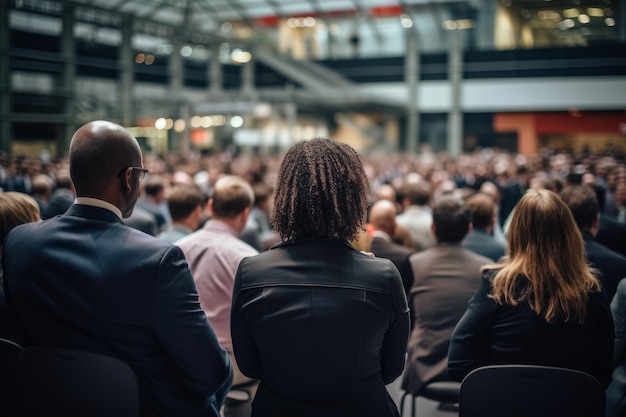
545,265
15,209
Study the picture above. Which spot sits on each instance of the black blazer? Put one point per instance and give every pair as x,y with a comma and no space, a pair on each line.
84,280
323,326
397,254
612,265
492,334
482,243
615,398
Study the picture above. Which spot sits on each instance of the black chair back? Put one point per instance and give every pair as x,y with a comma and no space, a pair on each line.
68,382
530,391
9,393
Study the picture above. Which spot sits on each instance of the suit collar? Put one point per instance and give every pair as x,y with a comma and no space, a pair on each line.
93,212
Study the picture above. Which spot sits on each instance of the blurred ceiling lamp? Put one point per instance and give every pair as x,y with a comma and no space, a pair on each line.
239,56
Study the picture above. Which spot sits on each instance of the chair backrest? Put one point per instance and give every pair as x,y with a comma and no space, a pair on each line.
9,393
530,391
68,382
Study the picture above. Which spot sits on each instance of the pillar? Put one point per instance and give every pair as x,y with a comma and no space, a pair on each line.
5,79
125,83
411,76
455,75
68,77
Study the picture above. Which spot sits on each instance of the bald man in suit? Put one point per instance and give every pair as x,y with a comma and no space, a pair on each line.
85,280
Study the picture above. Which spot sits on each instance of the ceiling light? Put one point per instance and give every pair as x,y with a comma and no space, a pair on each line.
595,12
571,13
186,50
160,123
465,23
236,121
196,121
179,125
450,25
240,56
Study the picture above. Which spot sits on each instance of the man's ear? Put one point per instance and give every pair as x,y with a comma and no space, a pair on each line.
125,180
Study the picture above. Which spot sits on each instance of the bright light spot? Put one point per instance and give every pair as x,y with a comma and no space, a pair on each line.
595,12
583,18
236,121
219,120
609,21
309,21
450,25
196,121
179,125
240,56
406,21
226,27
571,13
186,50
465,23
169,123
140,58
262,110
149,59
293,22
207,121
160,123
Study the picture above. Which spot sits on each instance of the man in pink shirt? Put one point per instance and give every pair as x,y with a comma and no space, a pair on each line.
214,252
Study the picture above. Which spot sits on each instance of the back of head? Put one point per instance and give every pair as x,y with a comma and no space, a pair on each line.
542,226
582,201
154,185
321,191
382,216
99,150
231,196
482,208
416,193
451,218
546,249
15,209
183,200
42,185
262,193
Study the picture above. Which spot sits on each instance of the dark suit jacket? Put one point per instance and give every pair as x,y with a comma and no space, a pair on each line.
323,326
493,334
84,280
482,243
60,200
446,277
612,234
616,392
397,254
612,265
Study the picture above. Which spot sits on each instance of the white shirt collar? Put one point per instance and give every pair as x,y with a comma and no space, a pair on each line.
88,201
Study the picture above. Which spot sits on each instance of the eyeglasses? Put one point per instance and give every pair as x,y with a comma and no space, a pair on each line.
142,172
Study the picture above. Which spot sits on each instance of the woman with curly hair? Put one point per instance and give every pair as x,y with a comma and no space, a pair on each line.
542,304
322,325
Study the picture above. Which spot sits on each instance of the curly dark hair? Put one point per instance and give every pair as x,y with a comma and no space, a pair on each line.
321,191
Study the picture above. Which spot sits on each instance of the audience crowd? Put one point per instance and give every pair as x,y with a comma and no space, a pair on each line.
447,224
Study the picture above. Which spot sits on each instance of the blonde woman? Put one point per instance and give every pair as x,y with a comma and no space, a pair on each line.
15,209
542,304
